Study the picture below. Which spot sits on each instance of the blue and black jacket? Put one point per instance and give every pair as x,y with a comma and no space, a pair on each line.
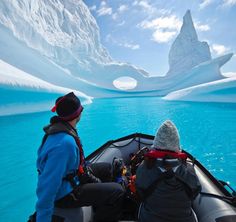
58,156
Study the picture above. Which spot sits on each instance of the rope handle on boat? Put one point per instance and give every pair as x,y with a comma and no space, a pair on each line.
119,146
230,200
226,184
134,139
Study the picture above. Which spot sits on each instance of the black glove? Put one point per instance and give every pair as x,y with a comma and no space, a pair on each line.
88,177
137,159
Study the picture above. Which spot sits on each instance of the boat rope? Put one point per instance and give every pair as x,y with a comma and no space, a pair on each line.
231,200
129,142
134,139
148,144
99,155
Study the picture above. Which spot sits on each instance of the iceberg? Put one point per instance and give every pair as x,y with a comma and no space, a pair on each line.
62,34
217,91
59,43
28,93
203,81
187,51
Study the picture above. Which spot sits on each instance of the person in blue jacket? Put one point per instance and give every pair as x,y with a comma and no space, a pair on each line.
63,178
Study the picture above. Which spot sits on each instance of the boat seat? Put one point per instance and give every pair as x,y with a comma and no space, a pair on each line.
79,214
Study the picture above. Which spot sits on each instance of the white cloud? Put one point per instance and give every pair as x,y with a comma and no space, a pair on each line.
93,8
123,8
120,10
109,38
164,11
114,16
165,28
104,9
121,23
163,36
201,27
103,3
131,46
144,4
171,22
219,49
229,3
205,3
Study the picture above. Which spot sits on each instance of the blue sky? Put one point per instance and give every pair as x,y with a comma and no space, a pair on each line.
141,32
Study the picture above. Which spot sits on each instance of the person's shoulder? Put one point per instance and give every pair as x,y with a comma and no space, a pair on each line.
64,140
187,169
68,140
67,137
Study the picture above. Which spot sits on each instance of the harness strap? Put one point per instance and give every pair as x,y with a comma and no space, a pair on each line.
61,127
70,178
230,200
81,154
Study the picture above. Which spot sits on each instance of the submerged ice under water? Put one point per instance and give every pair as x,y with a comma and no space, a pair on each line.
207,130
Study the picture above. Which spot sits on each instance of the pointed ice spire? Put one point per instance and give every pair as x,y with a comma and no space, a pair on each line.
186,51
187,28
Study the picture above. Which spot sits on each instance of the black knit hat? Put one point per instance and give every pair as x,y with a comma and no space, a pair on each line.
68,107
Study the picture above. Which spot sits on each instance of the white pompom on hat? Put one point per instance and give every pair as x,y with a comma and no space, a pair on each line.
167,137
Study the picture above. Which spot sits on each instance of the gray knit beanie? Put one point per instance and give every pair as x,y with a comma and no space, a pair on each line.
167,137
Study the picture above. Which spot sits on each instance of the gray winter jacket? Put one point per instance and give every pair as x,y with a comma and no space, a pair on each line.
172,197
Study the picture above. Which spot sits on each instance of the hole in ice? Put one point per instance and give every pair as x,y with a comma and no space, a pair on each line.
125,83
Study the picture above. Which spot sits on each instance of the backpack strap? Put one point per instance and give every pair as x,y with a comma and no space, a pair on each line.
64,127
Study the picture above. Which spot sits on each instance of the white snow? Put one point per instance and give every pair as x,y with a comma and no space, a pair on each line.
187,51
229,74
13,79
66,33
217,91
55,47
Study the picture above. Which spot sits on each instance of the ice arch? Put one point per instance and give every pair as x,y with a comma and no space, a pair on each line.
125,83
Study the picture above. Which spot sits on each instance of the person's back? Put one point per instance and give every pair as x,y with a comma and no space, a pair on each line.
166,185
58,148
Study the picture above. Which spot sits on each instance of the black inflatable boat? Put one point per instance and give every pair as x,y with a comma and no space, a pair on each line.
216,202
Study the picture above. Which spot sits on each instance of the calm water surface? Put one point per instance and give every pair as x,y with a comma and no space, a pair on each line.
207,130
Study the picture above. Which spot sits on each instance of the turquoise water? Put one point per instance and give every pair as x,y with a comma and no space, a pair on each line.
207,130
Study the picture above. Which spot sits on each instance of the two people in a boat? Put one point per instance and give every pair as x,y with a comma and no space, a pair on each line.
165,181
64,179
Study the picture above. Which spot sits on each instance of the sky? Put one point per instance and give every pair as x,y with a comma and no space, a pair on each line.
141,32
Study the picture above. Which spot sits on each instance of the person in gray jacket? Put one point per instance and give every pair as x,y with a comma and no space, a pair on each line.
165,182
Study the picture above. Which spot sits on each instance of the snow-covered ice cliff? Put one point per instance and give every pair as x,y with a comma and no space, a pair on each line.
58,42
216,91
22,93
65,33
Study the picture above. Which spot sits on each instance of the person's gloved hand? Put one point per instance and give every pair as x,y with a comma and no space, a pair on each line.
137,158
88,177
